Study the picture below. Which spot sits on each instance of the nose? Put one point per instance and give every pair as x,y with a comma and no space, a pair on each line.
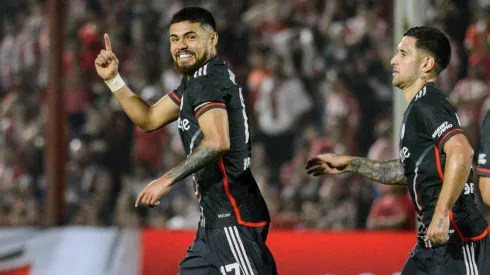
393,61
181,44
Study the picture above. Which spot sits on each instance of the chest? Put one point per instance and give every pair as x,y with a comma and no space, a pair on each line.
188,124
413,142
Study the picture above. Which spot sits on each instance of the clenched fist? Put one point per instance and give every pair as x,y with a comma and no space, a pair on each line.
106,62
328,164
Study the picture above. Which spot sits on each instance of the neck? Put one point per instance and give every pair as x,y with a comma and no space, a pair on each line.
211,56
410,91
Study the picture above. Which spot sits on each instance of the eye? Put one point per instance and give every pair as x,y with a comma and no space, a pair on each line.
173,39
191,37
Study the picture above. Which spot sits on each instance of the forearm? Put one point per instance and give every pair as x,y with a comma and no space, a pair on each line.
197,160
389,172
134,107
456,173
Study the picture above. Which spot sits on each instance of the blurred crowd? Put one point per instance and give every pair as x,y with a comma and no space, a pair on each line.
317,78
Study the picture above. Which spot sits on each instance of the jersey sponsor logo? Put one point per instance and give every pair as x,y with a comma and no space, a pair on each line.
469,188
404,153
442,129
482,159
183,124
226,215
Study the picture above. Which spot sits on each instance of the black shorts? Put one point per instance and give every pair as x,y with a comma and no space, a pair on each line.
470,258
229,250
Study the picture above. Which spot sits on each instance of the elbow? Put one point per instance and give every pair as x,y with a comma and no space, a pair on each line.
223,147
146,128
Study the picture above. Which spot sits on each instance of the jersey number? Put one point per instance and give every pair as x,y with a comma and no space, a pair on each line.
229,268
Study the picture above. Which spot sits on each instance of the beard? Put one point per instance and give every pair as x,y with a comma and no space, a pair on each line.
400,81
191,68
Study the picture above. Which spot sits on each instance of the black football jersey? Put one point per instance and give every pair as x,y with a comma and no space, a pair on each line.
428,123
483,168
226,189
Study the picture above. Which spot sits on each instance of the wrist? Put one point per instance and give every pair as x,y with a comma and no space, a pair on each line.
348,168
115,83
442,211
167,182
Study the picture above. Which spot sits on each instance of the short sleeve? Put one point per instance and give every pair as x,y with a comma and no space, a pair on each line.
206,95
438,119
483,168
176,95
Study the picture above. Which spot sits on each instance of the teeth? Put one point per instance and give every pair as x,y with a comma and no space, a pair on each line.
185,55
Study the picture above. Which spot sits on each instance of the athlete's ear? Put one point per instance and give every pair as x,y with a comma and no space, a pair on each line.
428,63
214,39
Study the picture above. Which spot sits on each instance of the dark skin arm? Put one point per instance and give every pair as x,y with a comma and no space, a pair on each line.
215,128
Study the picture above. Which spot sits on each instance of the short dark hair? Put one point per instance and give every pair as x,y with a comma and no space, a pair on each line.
194,15
435,42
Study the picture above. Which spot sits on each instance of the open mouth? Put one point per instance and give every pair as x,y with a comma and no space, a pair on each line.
184,56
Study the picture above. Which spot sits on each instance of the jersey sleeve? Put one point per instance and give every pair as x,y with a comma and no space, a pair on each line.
438,119
206,95
483,168
176,95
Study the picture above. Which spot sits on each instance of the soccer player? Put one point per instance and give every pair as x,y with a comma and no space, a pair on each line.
214,129
435,164
483,169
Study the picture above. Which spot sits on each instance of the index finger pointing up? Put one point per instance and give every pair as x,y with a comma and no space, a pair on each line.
108,46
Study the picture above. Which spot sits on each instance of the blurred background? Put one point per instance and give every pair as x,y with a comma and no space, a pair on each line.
317,78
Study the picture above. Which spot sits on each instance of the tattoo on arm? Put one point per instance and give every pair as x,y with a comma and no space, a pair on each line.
194,162
389,172
439,224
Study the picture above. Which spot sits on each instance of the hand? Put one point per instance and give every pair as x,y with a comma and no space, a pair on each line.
153,192
438,231
328,164
106,62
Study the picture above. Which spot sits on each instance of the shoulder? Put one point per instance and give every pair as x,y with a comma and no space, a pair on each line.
431,98
213,73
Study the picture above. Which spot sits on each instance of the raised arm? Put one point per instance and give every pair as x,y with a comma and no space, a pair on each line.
389,172
145,116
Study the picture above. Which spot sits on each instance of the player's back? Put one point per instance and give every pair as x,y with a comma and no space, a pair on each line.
429,122
227,191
